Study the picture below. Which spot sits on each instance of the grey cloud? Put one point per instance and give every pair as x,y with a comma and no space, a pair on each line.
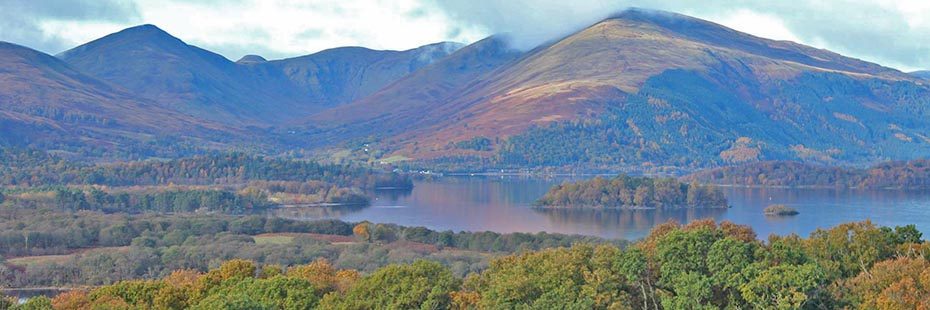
20,19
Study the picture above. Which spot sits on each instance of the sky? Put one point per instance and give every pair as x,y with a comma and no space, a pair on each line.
892,33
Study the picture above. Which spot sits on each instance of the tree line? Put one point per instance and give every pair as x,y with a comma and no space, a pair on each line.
104,248
626,191
913,174
701,265
30,168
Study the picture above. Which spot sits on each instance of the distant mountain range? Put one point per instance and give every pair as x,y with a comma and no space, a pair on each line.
252,91
46,103
640,88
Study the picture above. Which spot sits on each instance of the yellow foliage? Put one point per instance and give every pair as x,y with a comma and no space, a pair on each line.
320,273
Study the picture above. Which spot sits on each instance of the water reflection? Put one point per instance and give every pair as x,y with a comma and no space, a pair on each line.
394,193
315,212
630,223
503,204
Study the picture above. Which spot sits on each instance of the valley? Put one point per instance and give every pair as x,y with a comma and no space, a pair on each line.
643,159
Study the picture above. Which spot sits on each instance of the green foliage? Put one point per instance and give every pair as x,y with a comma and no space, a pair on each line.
633,192
782,286
703,265
34,168
582,277
477,144
421,285
37,303
273,293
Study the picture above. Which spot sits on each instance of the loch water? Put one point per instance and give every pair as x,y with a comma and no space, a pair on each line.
504,204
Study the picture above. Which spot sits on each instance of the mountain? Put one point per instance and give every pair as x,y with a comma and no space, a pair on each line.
46,103
400,105
651,87
157,66
342,75
923,74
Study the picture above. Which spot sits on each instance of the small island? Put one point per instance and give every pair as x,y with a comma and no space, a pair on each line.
780,210
626,192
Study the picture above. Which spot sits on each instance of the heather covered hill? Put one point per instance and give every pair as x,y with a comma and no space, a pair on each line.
46,103
158,66
662,89
342,75
400,106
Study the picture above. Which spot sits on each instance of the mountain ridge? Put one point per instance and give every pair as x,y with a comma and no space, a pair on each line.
45,102
160,67
633,65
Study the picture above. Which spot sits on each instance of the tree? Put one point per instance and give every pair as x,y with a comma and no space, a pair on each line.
363,231
783,286
902,283
36,303
421,285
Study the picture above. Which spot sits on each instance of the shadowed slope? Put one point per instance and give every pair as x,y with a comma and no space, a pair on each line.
44,102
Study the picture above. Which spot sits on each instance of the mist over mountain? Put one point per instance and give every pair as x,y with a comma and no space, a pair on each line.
640,87
662,88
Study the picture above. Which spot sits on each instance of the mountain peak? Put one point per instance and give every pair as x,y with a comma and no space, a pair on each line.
144,32
251,59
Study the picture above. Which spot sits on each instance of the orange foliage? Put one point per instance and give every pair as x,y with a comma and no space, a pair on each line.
72,300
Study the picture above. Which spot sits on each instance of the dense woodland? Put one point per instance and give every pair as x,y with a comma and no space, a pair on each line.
914,174
232,183
54,248
633,192
702,265
37,168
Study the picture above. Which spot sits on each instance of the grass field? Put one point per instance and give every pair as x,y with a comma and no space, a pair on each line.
272,239
26,261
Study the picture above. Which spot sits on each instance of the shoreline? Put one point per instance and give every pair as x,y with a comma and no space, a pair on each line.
623,208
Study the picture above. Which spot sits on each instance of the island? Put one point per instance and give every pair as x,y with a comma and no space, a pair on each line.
627,192
912,174
780,210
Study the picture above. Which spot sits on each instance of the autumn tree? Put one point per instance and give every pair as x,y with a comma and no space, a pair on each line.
362,231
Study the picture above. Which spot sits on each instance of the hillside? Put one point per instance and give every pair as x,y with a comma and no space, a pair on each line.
47,104
660,88
160,67
400,106
924,74
342,75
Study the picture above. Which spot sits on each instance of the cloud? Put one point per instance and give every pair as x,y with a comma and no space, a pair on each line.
26,21
892,33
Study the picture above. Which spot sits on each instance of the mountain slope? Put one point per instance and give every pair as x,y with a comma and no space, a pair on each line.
923,74
342,75
400,105
46,103
664,88
160,67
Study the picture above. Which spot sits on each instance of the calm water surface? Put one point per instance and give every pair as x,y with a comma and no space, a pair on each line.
503,204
